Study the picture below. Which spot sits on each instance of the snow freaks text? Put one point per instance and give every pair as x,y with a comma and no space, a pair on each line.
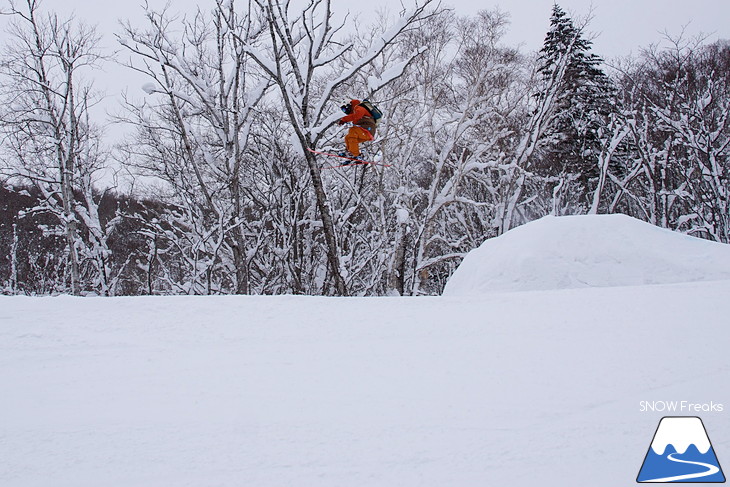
680,407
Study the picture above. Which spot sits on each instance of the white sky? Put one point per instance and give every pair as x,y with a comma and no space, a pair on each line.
622,26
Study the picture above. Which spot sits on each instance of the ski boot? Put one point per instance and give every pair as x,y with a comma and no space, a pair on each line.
350,158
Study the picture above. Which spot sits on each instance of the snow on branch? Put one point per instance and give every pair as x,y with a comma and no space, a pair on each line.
267,64
406,19
376,83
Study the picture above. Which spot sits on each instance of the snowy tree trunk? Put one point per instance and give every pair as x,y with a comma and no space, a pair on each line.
14,260
397,270
618,132
48,132
333,254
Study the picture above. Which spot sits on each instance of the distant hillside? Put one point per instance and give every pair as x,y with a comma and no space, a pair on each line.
33,248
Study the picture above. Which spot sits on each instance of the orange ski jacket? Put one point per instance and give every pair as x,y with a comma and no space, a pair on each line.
361,117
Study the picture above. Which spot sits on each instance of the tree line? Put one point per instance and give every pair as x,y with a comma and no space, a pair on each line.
224,196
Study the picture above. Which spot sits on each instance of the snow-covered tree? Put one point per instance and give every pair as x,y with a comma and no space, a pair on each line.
451,119
679,97
192,134
582,101
468,134
303,54
564,145
50,138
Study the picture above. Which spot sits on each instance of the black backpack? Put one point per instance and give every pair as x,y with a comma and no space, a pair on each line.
374,111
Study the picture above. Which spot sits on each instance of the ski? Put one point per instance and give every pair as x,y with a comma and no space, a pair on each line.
355,162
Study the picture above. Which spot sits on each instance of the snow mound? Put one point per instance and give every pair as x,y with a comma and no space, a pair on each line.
587,251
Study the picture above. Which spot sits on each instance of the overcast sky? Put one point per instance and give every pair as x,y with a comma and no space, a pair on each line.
621,26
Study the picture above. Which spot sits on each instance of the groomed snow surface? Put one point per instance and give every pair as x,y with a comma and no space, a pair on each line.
518,388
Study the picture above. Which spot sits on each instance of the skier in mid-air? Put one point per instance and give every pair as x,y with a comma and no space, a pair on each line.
362,130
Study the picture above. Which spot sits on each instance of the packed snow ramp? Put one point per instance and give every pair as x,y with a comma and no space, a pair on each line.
587,251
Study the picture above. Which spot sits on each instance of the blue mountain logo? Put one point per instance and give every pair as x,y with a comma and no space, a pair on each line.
681,452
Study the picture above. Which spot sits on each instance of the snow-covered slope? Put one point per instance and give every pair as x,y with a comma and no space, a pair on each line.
587,251
546,388
519,389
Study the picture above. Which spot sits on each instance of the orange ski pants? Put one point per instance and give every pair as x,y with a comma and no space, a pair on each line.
354,137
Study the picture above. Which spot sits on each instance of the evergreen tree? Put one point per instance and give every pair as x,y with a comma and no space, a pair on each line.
583,99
